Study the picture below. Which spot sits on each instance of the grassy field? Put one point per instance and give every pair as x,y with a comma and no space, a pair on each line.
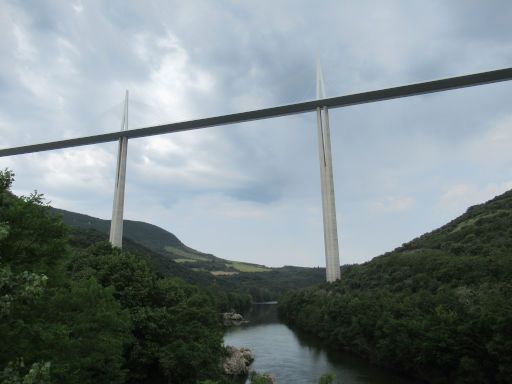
186,254
189,255
223,273
244,267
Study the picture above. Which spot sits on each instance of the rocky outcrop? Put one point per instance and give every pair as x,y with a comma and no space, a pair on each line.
237,361
233,318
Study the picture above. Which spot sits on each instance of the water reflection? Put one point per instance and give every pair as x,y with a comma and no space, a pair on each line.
262,314
295,357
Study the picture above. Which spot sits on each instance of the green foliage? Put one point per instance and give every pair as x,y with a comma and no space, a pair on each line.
176,328
148,235
80,329
4,231
482,231
46,317
437,308
326,378
208,382
31,238
6,180
91,330
96,315
17,373
269,286
19,288
261,378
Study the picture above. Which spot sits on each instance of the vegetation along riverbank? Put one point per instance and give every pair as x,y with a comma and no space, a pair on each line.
437,308
96,314
76,310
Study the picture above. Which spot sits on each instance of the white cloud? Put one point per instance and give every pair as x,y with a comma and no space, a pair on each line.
186,160
392,204
73,174
458,197
25,49
227,207
172,79
78,7
493,146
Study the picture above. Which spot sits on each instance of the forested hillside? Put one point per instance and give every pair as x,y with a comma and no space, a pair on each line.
170,257
95,315
157,240
438,308
261,286
270,285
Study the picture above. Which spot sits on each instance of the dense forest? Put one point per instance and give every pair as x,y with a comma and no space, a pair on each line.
270,285
437,308
73,313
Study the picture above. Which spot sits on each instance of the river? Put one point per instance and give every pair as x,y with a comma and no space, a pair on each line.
292,357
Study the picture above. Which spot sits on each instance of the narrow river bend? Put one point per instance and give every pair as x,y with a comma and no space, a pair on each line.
292,357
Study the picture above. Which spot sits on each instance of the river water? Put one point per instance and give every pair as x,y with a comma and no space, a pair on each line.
292,357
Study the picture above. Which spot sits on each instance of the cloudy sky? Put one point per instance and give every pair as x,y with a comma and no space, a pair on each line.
251,192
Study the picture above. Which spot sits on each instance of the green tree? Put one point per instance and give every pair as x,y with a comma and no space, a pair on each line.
77,327
176,329
261,378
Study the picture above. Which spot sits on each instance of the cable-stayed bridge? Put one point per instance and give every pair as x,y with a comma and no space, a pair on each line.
320,106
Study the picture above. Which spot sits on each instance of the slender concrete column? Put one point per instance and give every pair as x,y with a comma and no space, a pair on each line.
332,259
116,225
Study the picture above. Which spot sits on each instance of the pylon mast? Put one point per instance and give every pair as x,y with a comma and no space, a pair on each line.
116,225
332,258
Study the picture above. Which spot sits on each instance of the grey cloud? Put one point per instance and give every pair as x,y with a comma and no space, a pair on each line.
257,54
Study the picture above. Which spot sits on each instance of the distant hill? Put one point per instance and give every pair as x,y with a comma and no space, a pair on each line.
482,230
437,308
82,238
149,235
170,257
160,241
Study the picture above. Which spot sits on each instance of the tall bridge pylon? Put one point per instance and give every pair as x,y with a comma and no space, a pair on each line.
116,225
332,258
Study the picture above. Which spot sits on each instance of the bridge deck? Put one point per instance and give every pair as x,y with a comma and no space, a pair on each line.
290,109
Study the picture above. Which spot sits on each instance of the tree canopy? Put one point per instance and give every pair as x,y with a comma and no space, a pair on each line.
437,308
94,315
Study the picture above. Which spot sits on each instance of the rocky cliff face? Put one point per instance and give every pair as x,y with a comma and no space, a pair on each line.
232,318
237,361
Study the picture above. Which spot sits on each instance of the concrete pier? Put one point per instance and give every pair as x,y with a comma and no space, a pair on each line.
116,225
332,259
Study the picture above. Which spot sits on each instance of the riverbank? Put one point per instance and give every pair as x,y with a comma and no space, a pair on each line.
293,357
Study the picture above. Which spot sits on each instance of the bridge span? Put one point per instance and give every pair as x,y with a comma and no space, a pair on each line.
320,106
